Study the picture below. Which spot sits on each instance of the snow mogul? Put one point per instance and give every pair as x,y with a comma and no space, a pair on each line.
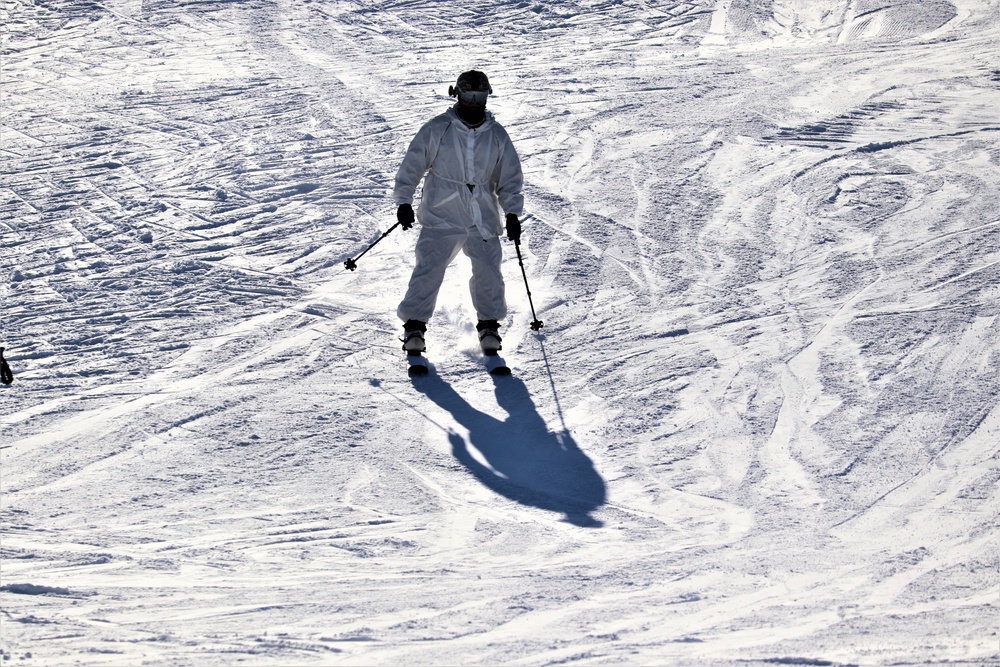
472,186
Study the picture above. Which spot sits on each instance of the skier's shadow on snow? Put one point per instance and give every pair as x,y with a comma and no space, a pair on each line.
520,457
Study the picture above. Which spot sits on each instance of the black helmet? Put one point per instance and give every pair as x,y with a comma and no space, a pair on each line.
471,87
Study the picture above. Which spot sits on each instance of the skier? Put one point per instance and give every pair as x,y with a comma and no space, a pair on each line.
471,173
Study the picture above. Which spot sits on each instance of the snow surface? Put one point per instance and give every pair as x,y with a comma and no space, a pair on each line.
760,426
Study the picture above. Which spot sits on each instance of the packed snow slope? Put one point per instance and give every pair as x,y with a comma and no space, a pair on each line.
760,425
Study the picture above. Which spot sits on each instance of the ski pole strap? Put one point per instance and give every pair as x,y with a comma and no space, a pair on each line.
6,375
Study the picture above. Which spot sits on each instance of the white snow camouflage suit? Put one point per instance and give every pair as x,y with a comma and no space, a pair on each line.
471,176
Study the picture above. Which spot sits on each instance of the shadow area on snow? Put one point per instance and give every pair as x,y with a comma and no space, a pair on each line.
519,457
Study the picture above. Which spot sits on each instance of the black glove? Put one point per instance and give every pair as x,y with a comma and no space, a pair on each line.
404,214
513,228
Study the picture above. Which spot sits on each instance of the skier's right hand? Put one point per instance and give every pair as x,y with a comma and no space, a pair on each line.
404,215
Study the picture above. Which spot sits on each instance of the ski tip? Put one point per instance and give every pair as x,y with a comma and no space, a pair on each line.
500,371
417,363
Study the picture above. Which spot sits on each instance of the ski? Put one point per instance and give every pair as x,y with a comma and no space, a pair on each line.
495,363
417,364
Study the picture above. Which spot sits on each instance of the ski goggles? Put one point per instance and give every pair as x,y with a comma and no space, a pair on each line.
472,96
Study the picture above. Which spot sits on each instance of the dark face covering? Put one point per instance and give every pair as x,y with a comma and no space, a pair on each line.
472,115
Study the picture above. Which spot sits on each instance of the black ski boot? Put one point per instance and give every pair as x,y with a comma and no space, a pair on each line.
413,345
489,336
413,336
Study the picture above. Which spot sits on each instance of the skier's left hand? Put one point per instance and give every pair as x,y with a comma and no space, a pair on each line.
513,228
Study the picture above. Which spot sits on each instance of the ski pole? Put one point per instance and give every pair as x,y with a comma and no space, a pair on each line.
352,264
536,324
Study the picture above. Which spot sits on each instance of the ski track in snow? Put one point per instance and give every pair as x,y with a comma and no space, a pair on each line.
760,426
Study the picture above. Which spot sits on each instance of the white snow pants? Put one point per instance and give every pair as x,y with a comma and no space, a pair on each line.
436,248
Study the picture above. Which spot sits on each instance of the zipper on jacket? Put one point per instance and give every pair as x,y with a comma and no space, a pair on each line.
470,164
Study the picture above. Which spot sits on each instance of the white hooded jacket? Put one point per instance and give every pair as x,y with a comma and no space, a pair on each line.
470,175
